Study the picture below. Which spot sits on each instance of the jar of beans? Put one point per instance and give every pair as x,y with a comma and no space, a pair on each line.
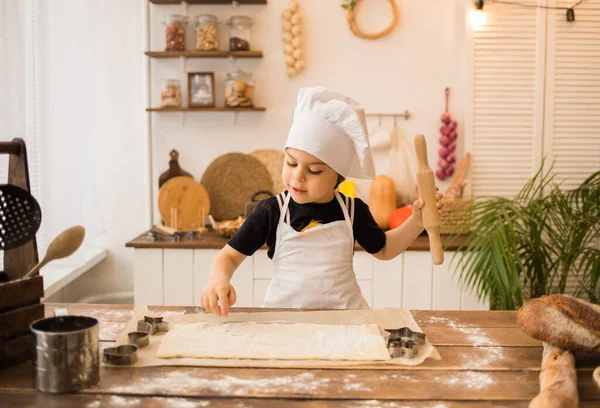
206,32
239,89
175,32
239,33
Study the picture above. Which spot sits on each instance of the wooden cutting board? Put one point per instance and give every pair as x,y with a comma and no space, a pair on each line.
175,169
188,198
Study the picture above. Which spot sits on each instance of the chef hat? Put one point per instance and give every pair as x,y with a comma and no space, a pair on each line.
332,128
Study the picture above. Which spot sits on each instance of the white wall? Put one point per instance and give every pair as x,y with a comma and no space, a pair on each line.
92,117
409,69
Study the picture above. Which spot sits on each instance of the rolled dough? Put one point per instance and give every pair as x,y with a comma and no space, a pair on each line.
279,341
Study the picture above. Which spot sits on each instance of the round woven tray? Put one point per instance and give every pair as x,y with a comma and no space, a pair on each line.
273,161
231,180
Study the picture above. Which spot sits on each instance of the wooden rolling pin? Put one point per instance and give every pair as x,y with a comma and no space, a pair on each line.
431,216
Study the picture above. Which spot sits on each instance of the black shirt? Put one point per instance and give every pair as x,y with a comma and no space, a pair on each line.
261,225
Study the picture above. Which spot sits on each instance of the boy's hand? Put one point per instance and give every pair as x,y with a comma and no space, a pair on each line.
417,214
218,296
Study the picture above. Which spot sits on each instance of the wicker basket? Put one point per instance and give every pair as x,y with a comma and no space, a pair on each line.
457,211
226,228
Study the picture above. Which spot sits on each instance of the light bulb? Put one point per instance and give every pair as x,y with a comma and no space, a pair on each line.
477,19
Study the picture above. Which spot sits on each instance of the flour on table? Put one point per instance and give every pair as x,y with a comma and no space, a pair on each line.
278,341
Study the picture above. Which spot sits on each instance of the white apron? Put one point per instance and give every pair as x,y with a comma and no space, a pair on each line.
313,269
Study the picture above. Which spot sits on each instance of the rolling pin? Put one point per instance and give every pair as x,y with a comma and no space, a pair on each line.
431,216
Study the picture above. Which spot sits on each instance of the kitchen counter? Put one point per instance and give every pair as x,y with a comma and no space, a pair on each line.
212,240
486,361
168,272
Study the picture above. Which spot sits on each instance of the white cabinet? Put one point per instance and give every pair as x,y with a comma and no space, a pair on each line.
176,277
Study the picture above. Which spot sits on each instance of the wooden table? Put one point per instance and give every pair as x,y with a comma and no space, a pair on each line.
486,362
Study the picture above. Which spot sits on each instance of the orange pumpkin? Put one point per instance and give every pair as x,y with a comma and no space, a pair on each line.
400,215
382,201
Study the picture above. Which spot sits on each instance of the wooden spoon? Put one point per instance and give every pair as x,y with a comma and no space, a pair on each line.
64,245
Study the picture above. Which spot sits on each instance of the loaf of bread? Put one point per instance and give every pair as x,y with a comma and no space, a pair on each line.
558,380
563,321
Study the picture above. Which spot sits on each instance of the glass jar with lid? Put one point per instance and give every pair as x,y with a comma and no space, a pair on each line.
239,33
239,89
170,94
207,33
175,32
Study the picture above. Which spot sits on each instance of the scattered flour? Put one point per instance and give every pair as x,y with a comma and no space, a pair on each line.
184,403
182,382
108,315
439,320
387,404
166,313
110,331
477,338
471,380
117,401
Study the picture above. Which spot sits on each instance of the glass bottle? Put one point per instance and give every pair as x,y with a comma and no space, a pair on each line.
239,89
170,94
175,32
207,33
239,33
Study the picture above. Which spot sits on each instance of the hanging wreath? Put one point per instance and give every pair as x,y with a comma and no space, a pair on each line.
350,6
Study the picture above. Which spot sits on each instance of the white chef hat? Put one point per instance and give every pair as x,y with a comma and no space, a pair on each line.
332,128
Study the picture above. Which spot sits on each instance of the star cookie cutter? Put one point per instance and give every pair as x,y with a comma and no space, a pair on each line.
152,325
404,342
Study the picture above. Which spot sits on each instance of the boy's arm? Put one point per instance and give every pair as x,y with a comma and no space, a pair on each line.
225,263
398,239
218,294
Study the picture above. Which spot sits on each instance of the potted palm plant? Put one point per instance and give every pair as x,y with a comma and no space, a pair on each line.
528,246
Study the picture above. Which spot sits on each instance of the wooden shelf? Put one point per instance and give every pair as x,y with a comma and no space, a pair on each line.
204,54
208,1
215,109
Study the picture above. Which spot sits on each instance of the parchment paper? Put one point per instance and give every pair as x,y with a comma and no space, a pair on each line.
386,319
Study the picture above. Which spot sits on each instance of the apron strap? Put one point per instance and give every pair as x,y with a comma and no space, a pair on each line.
284,213
346,215
347,209
350,207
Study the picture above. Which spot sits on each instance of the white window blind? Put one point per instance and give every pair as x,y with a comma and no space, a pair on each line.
506,94
572,126
535,92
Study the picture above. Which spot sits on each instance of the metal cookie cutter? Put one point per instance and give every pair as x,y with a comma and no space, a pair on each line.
121,355
404,342
139,338
152,325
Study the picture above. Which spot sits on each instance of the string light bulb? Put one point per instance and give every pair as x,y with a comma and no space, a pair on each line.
477,16
570,15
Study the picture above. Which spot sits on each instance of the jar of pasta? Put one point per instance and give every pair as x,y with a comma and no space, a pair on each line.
206,33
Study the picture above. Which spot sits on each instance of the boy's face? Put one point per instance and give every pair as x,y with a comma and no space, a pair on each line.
307,178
